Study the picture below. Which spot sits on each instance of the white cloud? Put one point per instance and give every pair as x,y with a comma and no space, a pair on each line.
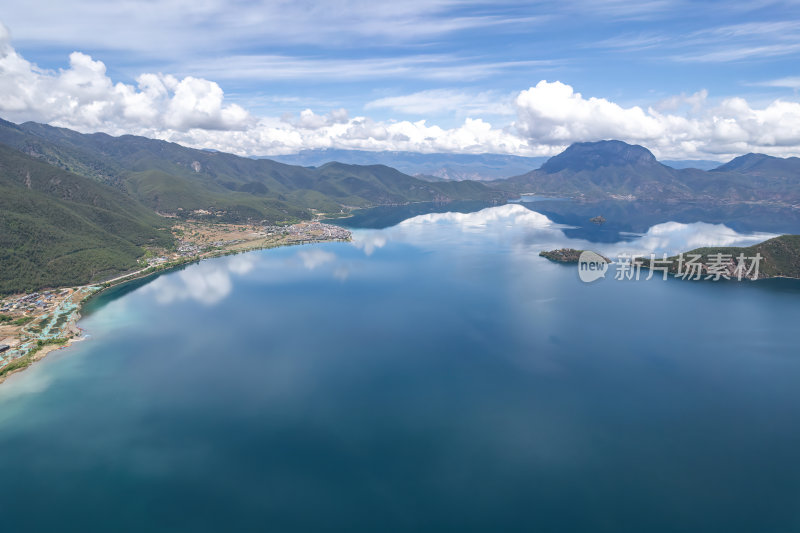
84,96
548,117
308,120
553,113
280,136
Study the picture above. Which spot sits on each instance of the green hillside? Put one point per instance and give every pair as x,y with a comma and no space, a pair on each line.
780,255
58,228
173,179
79,207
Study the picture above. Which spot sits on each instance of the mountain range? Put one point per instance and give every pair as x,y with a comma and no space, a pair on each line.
445,167
80,207
431,167
172,179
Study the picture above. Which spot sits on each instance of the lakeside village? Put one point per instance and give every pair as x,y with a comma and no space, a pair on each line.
31,325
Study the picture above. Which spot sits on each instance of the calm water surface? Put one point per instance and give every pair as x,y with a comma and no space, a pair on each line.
434,375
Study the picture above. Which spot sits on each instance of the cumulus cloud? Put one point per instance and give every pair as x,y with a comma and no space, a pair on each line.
553,113
284,136
308,120
84,96
547,117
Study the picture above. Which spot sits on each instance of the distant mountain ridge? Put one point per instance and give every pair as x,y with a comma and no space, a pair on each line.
761,164
439,166
444,166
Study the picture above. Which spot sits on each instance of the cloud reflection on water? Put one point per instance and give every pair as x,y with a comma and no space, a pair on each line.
206,283
513,227
315,257
530,232
675,237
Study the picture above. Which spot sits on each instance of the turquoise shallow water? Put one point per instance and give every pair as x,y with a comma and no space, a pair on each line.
436,375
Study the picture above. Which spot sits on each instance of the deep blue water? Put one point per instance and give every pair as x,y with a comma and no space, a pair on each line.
434,376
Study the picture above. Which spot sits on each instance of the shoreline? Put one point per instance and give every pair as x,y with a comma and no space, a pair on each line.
69,332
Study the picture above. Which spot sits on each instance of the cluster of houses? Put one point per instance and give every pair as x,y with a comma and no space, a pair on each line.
35,302
316,231
186,249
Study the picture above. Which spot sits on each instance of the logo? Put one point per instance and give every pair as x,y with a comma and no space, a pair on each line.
591,266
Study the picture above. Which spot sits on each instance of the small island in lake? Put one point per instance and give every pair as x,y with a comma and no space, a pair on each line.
599,220
565,255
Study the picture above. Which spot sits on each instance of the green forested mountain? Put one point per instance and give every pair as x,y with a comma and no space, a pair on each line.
58,228
434,167
780,256
170,178
79,207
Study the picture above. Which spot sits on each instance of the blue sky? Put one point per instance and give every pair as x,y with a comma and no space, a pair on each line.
440,61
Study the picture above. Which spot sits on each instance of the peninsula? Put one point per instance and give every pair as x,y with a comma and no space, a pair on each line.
779,258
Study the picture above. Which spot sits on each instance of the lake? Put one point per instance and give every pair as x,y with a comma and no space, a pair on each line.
435,374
